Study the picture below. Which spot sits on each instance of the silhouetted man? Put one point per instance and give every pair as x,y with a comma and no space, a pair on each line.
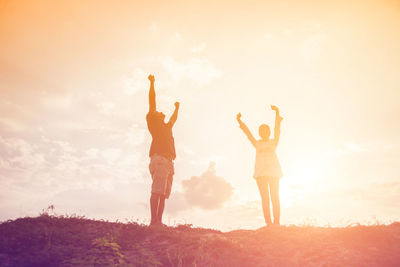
162,154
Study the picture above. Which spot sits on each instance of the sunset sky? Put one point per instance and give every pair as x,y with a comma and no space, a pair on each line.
73,101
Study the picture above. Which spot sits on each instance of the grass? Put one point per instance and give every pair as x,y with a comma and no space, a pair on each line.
77,241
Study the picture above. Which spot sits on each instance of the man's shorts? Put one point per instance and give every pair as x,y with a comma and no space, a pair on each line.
162,171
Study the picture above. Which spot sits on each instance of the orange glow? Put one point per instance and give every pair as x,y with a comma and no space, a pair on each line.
73,101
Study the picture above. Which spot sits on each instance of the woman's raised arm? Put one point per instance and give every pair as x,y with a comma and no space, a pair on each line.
246,130
277,130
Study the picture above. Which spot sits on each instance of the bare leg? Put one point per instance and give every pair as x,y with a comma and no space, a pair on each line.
263,188
276,206
154,200
160,209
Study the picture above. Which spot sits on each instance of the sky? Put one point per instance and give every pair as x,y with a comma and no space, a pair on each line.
74,88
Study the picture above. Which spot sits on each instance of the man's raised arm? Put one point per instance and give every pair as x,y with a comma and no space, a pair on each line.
152,94
174,116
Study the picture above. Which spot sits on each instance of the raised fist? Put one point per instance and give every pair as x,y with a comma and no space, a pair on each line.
177,105
239,116
275,108
151,78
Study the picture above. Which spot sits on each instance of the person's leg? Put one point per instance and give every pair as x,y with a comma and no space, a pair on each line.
160,210
161,187
157,171
262,183
168,188
276,206
154,204
154,199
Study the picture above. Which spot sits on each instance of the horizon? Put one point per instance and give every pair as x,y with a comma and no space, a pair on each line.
74,88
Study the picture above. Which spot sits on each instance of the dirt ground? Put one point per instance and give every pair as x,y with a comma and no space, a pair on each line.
77,241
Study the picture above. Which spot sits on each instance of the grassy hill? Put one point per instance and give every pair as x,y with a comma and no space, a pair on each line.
76,241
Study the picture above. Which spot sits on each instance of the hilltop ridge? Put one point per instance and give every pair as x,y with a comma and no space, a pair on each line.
78,241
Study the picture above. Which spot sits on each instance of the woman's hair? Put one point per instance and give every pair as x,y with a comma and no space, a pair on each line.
264,131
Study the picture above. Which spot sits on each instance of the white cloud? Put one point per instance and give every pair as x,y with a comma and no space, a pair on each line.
176,37
35,169
135,135
199,70
287,31
92,152
106,107
154,27
135,82
188,151
207,191
57,101
12,125
353,147
199,48
17,154
268,36
111,154
312,48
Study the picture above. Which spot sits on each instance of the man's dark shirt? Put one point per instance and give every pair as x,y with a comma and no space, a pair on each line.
163,142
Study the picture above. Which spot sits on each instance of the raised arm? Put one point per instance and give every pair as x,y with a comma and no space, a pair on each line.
246,130
277,130
174,116
152,94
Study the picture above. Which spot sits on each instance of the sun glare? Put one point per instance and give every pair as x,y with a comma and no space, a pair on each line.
303,178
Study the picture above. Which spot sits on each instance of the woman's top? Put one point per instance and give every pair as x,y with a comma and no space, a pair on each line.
267,163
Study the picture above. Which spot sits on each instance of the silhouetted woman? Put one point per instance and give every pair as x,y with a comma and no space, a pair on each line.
267,171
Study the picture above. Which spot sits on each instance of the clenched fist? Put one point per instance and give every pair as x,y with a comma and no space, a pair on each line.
275,108
151,78
238,116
